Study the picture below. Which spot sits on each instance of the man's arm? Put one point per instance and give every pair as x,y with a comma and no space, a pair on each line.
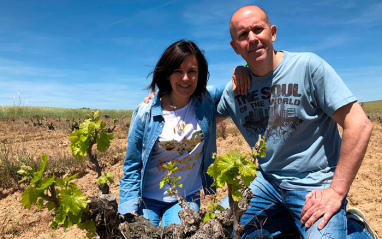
355,137
241,81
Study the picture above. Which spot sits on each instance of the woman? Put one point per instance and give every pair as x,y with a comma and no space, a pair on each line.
178,125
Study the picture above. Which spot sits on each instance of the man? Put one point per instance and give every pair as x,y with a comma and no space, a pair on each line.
296,100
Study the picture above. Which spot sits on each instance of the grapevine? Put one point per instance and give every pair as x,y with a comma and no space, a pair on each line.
235,170
60,195
92,131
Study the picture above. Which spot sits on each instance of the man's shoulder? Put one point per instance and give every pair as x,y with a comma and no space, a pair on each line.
228,88
303,60
303,56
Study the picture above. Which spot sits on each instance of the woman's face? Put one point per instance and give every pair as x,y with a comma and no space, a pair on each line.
185,79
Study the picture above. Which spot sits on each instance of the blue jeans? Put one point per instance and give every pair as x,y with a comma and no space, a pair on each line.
166,213
276,211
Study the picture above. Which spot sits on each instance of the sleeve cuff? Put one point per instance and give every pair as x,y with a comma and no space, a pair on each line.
129,206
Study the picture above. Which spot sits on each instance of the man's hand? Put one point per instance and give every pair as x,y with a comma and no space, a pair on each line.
241,81
320,203
149,97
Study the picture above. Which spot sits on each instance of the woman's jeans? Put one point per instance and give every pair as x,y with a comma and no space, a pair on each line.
166,213
276,211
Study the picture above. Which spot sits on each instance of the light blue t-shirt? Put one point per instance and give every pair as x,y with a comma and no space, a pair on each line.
292,106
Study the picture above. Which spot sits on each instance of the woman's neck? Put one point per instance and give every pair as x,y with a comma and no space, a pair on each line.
170,103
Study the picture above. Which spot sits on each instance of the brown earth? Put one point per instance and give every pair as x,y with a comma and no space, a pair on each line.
21,139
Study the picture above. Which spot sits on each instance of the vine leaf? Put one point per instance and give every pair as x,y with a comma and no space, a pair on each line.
28,197
72,200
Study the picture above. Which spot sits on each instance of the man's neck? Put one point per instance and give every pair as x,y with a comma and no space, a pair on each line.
270,65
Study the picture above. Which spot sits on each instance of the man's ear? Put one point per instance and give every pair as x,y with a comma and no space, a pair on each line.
273,32
233,45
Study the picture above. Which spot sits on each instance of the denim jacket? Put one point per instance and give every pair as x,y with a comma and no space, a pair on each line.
146,125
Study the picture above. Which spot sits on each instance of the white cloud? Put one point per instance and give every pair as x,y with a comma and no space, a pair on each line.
370,17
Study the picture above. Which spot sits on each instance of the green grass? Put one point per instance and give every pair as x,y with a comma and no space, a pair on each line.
372,106
10,165
14,112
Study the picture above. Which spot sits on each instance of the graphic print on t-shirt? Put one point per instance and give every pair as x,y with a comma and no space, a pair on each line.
185,144
271,111
184,162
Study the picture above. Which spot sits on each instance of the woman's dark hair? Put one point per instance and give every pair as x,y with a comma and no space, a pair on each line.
171,60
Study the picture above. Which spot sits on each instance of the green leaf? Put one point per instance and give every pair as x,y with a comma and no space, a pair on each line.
54,225
60,215
23,172
103,143
247,172
109,177
247,180
80,142
67,219
263,148
40,204
90,227
163,182
110,180
72,219
208,216
169,192
226,163
50,206
236,194
179,184
72,200
60,182
25,178
37,176
47,182
95,115
247,168
229,177
263,153
28,197
220,208
69,178
102,180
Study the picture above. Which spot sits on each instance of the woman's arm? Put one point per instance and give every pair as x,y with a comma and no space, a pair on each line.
130,184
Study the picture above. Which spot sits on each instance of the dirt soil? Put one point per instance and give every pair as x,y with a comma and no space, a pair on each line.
21,138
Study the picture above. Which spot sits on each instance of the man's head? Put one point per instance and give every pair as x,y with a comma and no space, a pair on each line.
252,38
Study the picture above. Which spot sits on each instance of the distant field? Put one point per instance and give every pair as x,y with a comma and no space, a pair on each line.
14,112
372,106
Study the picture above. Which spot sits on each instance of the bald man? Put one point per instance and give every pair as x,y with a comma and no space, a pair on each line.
296,100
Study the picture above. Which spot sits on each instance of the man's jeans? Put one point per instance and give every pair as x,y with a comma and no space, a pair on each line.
167,213
276,211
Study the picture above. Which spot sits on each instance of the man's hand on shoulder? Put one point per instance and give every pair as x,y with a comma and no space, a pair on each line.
241,81
147,99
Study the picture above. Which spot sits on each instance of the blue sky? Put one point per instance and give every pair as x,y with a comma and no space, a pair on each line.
98,54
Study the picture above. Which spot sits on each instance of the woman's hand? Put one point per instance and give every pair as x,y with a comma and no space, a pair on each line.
241,81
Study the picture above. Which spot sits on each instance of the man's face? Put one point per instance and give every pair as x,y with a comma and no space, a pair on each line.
253,37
